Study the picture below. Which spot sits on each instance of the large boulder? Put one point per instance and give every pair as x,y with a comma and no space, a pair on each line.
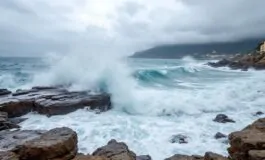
115,151
249,143
58,143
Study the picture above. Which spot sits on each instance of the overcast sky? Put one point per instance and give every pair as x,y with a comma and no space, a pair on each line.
36,27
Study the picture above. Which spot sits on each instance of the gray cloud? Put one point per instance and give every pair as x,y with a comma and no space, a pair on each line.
36,27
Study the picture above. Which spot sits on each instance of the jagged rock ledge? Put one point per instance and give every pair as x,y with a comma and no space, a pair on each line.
254,60
50,101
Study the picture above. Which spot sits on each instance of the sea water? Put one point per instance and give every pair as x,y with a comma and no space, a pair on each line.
153,99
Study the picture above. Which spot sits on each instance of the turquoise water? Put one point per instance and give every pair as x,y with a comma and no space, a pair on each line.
153,100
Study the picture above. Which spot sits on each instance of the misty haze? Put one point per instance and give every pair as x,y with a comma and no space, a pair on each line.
132,80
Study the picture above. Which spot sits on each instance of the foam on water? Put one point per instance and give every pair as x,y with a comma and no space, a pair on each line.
146,116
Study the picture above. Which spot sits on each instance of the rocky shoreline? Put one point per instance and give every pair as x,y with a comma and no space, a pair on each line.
255,60
61,143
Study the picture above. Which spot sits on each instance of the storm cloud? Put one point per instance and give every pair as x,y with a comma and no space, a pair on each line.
34,28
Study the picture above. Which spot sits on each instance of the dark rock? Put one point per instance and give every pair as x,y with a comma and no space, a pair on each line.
17,120
222,118
44,87
219,135
254,60
258,113
4,92
221,63
185,157
69,102
52,101
58,143
8,156
5,123
144,157
214,156
16,108
115,151
179,138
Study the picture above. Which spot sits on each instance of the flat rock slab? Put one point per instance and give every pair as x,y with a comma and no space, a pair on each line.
52,101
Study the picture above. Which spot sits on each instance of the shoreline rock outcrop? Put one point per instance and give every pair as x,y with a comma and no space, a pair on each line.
255,60
52,101
249,143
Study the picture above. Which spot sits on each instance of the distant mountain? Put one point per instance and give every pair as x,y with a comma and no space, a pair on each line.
199,50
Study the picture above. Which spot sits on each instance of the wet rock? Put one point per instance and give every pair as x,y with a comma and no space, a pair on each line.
254,60
69,102
222,118
24,92
184,157
214,156
258,113
221,63
9,140
219,135
179,138
8,156
248,143
4,92
44,87
17,120
5,123
58,143
16,108
52,101
115,151
144,157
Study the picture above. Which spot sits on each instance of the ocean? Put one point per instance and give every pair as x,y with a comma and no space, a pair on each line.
153,99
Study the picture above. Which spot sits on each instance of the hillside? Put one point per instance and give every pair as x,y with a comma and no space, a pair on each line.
198,50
